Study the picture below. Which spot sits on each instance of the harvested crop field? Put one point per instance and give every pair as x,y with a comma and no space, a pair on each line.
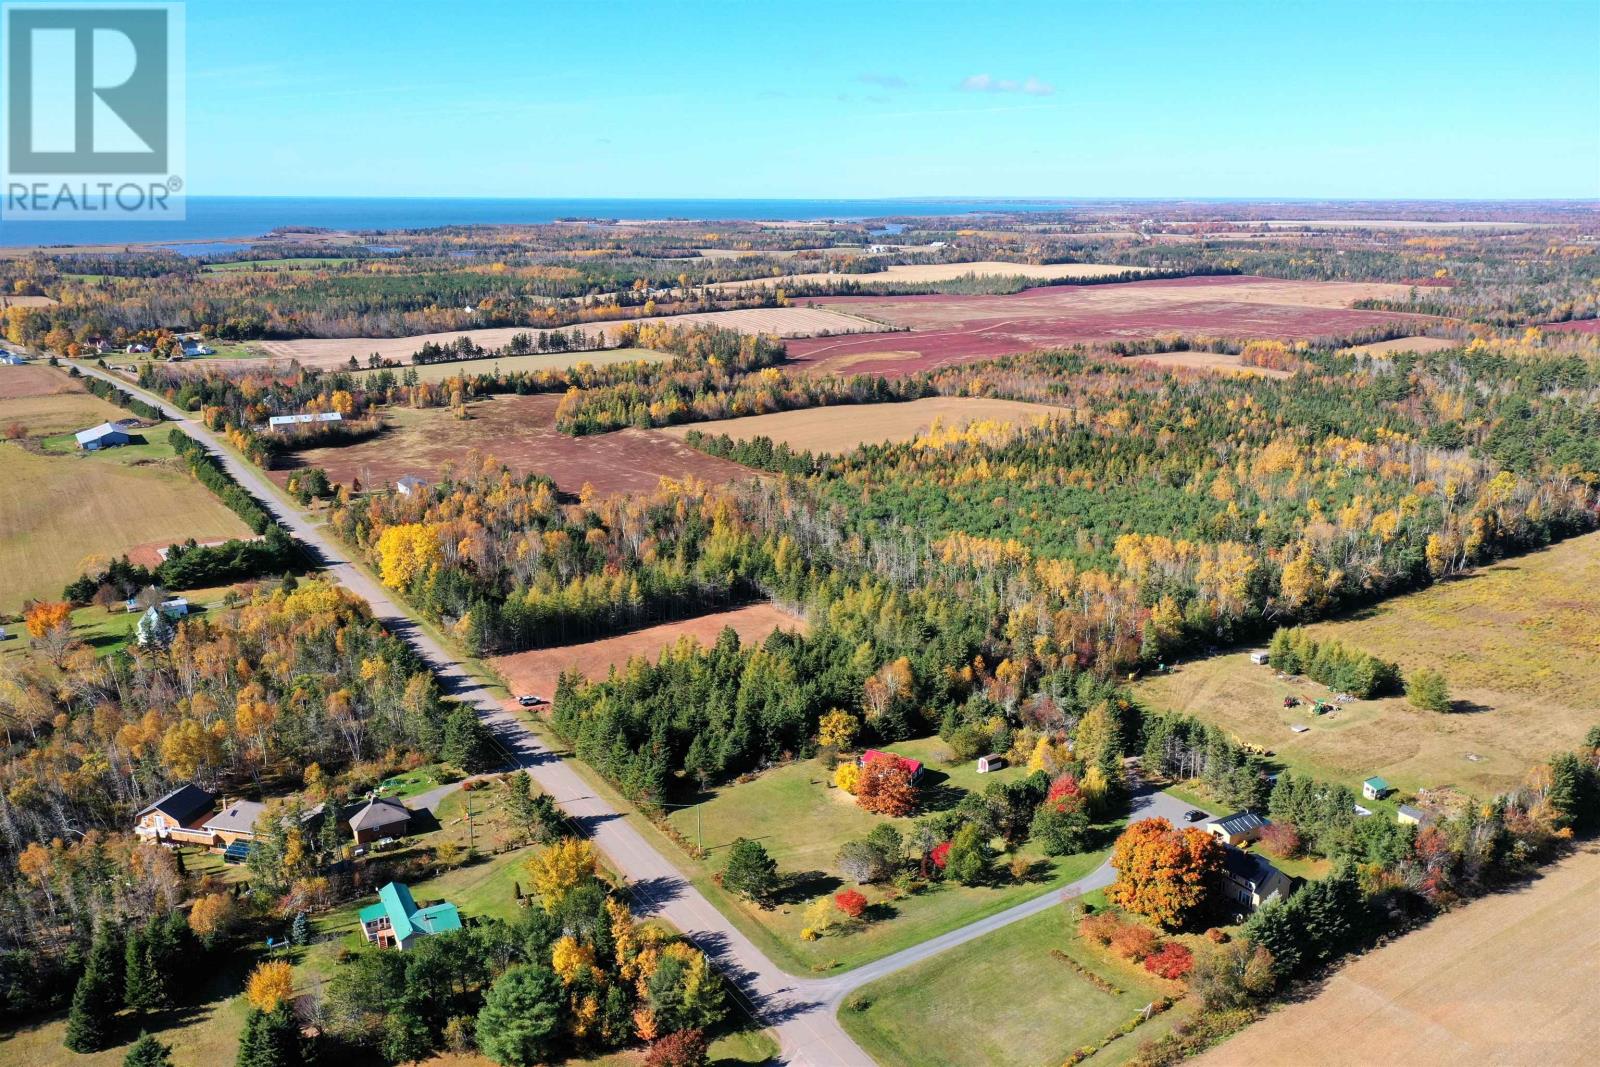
538,671
1215,361
944,272
438,372
948,329
520,432
1406,344
846,426
43,401
1516,643
1573,326
784,322
1510,980
35,379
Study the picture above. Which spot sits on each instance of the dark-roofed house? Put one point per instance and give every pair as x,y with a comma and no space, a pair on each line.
178,816
379,819
1250,881
396,921
1240,828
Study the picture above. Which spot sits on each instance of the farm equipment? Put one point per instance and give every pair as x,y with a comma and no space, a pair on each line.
1290,702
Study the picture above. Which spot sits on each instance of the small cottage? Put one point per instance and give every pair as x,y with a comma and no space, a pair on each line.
1374,788
408,485
395,921
1240,828
990,763
380,819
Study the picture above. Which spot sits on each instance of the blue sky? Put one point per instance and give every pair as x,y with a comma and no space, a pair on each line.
864,99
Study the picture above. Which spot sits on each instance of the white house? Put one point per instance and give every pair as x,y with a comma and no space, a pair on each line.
195,348
408,485
283,422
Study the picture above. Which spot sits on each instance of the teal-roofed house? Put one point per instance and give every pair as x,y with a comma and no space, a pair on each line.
396,921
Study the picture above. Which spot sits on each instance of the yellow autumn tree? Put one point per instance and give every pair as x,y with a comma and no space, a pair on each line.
1304,584
558,869
846,776
837,729
270,984
188,746
405,551
571,959
211,915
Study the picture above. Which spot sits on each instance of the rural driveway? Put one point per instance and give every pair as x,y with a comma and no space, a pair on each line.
801,1011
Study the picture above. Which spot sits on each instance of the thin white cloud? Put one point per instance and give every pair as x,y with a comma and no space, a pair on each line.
884,81
985,83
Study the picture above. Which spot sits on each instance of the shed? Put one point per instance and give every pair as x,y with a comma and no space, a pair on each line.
1412,816
1374,788
106,435
379,819
990,763
1260,657
1239,828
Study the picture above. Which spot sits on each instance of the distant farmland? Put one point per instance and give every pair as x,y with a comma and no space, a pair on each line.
843,427
438,372
949,329
944,272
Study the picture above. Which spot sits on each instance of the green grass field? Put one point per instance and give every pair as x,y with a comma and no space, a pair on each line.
438,372
58,508
309,263
795,814
1003,998
1517,642
57,413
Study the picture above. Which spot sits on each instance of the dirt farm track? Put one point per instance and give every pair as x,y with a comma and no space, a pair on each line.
1511,980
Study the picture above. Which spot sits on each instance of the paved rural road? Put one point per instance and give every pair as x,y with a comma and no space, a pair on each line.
801,1011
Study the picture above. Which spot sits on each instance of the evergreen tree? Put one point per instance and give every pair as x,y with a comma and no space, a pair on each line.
750,871
148,1052
521,1016
467,743
98,995
300,930
270,1039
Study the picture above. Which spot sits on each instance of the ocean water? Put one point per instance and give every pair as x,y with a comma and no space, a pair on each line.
214,217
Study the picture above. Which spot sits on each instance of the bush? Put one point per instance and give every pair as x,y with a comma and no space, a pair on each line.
851,902
1099,928
1281,839
1428,690
1171,960
1133,942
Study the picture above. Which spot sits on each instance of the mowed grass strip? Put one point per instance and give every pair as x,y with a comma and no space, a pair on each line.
1002,998
801,820
1517,641
58,508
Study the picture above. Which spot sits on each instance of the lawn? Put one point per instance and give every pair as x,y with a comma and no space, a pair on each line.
438,372
108,629
795,813
1517,642
58,508
1004,998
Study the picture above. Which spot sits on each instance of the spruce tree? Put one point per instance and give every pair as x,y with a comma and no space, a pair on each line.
148,1052
270,1039
99,993
300,930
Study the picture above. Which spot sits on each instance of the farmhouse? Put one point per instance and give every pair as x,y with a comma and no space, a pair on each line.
1239,828
177,817
1249,879
912,767
395,921
379,819
990,763
409,484
1374,788
195,348
279,423
106,435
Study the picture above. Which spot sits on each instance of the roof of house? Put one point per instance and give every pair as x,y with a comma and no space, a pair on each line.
314,416
1415,813
380,812
405,918
1376,782
1239,822
1251,867
94,433
182,804
237,817
410,481
912,766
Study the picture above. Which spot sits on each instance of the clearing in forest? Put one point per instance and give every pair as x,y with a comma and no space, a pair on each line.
1215,361
1516,642
1508,980
944,272
520,432
537,671
844,427
438,372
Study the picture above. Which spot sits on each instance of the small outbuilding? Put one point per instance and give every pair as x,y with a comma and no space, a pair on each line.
990,763
1374,788
1260,657
1240,828
106,435
379,819
1412,816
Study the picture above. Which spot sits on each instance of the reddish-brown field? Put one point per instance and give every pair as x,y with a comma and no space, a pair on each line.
537,672
35,379
1574,326
947,329
520,432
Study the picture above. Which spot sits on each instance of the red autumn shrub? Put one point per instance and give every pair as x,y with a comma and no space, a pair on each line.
1099,928
1065,794
1281,839
1133,942
940,854
686,1048
1171,960
851,902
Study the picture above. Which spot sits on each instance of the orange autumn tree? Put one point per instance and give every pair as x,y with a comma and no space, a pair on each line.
46,616
1163,873
884,788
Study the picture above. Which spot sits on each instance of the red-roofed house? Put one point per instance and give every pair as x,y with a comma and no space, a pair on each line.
913,767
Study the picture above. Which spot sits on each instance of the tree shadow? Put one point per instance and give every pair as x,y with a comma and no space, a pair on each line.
801,886
1468,707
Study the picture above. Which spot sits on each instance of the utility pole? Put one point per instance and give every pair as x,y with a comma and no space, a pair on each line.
472,838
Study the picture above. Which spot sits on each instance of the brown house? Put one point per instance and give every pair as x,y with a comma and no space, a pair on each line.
379,819
178,817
